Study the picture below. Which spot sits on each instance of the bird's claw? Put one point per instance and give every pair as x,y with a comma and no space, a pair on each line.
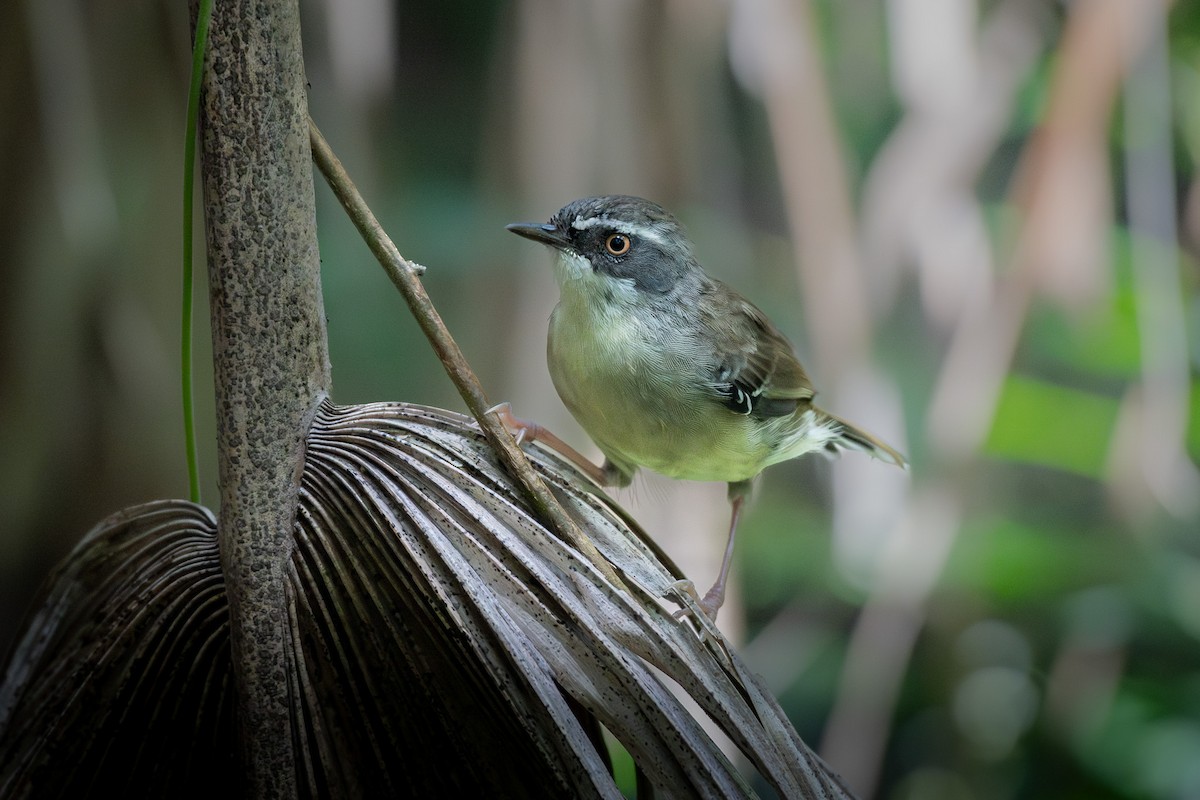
681,588
526,431
519,428
685,591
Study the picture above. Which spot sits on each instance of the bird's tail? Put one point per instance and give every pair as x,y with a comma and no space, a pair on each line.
846,435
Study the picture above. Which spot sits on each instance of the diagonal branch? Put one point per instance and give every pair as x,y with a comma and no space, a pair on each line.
403,273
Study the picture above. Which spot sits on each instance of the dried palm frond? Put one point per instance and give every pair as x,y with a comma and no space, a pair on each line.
442,640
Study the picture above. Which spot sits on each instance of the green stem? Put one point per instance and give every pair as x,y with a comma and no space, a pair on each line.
189,171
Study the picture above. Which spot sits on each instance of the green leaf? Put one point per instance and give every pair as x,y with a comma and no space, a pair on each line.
1193,431
1017,562
1102,342
203,18
1042,423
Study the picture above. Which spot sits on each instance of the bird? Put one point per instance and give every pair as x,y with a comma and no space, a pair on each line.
667,368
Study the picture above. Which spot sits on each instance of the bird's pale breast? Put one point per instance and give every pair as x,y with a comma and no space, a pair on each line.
637,391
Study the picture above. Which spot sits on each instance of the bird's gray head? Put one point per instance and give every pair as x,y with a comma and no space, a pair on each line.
631,241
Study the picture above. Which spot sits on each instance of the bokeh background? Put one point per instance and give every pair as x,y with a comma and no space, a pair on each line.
977,219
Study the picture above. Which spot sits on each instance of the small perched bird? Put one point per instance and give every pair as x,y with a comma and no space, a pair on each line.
668,368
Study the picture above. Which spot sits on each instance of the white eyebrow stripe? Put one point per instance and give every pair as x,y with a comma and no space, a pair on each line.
643,231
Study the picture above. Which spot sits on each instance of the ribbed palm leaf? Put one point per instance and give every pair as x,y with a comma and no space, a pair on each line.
443,641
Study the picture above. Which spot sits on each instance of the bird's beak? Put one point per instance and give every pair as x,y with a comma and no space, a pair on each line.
542,232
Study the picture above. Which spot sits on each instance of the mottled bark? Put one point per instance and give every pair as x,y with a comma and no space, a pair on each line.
269,345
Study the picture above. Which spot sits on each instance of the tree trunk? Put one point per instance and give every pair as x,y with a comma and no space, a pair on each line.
269,345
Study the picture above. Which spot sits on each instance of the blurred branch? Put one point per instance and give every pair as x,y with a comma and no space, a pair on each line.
813,177
83,194
958,78
816,189
881,644
1063,193
1149,450
403,274
1063,169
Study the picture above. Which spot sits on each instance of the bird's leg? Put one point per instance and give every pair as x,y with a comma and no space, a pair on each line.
524,430
714,598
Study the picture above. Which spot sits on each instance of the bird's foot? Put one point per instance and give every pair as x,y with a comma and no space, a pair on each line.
710,604
521,429
526,431
712,601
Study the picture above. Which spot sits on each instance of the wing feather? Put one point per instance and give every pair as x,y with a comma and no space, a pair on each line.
757,372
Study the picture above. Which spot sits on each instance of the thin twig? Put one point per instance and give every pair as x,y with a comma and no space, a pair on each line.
403,274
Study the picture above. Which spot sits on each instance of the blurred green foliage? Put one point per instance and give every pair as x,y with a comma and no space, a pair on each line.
1041,423
1058,655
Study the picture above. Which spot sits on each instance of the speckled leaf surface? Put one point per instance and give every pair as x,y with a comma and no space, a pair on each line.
442,641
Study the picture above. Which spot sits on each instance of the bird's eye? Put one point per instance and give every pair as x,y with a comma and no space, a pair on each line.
617,244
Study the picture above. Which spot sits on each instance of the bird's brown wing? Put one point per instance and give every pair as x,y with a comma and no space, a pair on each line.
757,372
